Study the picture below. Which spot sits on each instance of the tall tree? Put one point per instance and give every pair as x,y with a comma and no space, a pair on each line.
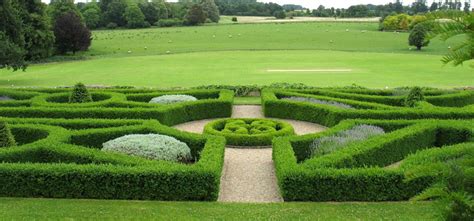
115,11
12,40
434,7
71,34
60,7
150,11
211,10
467,7
196,15
419,7
134,16
92,15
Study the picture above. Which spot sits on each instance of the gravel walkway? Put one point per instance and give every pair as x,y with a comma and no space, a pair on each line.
249,174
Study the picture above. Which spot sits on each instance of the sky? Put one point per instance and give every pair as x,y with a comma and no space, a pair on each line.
312,4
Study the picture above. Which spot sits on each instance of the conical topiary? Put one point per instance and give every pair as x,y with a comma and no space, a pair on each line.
6,137
80,94
415,95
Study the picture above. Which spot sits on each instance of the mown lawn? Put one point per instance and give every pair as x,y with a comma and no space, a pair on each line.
62,209
241,54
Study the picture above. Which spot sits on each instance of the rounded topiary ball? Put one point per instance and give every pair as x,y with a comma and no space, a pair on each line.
150,146
171,99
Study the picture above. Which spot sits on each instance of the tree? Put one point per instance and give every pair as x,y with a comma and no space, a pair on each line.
459,24
92,15
434,7
25,33
12,40
80,94
150,11
196,15
418,36
279,14
71,34
211,10
134,17
467,7
419,7
398,7
115,11
60,7
6,137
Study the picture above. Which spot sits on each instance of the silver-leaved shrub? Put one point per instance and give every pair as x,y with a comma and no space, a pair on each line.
329,144
316,101
150,146
171,99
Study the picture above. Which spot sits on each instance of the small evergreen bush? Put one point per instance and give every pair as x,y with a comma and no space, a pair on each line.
6,137
171,99
234,19
80,94
415,95
150,146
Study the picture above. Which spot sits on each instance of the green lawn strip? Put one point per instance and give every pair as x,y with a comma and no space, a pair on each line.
247,100
374,70
65,209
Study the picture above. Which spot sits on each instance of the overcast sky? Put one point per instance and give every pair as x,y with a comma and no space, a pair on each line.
312,4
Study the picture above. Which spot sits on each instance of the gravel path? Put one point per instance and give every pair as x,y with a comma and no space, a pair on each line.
249,174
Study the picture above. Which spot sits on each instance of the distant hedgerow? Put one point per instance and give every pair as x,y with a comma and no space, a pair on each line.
6,137
80,94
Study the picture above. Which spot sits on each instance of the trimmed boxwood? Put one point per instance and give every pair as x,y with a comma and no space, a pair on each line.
66,164
249,132
357,172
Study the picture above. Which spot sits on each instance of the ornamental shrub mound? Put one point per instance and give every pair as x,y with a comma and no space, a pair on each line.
338,141
150,146
171,99
415,96
6,137
80,94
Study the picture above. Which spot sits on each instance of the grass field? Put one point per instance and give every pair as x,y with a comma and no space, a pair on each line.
61,209
242,54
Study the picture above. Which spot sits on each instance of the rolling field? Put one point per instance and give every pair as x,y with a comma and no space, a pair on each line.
243,54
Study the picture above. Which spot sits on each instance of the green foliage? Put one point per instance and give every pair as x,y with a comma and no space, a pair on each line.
196,15
80,94
280,14
58,8
397,22
134,17
211,10
6,137
92,15
151,11
418,36
249,132
234,19
415,96
71,34
115,11
172,22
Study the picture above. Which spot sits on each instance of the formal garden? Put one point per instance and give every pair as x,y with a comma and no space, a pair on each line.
377,145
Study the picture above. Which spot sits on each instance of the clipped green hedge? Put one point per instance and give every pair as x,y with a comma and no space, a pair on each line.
243,136
62,163
330,116
220,105
358,172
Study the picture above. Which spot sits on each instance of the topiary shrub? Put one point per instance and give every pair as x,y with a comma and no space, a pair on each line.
6,137
171,99
150,146
234,19
326,145
80,94
249,132
415,96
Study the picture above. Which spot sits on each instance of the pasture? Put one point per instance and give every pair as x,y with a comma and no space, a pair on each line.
243,54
